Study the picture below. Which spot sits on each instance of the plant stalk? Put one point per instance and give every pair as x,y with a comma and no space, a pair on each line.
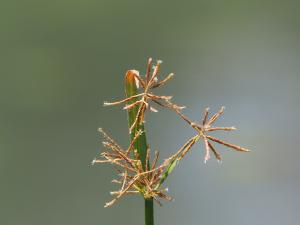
141,142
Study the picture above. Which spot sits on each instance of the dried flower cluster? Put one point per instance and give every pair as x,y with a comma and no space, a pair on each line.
149,82
147,179
134,179
206,127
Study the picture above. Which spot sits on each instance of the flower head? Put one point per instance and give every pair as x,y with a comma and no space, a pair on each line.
147,84
203,129
133,178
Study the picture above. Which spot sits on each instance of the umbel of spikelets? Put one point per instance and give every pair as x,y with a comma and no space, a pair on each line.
147,83
133,178
203,129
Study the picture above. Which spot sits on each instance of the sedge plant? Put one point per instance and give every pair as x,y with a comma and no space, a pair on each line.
137,168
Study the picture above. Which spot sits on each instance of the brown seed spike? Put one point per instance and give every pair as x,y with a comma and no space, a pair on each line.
221,128
163,82
149,66
236,147
207,155
216,116
122,101
216,153
205,116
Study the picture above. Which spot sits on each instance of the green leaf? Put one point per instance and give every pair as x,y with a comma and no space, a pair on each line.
141,142
169,170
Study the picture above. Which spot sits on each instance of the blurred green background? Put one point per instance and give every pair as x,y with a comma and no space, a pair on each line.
60,60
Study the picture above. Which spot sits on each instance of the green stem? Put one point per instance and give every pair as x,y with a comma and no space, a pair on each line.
149,213
141,142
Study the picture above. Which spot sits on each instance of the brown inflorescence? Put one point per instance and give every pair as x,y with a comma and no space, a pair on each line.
134,178
203,129
147,83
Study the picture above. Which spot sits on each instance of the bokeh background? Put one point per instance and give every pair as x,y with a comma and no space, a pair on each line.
60,60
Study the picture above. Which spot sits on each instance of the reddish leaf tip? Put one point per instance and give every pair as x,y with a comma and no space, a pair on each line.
130,76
